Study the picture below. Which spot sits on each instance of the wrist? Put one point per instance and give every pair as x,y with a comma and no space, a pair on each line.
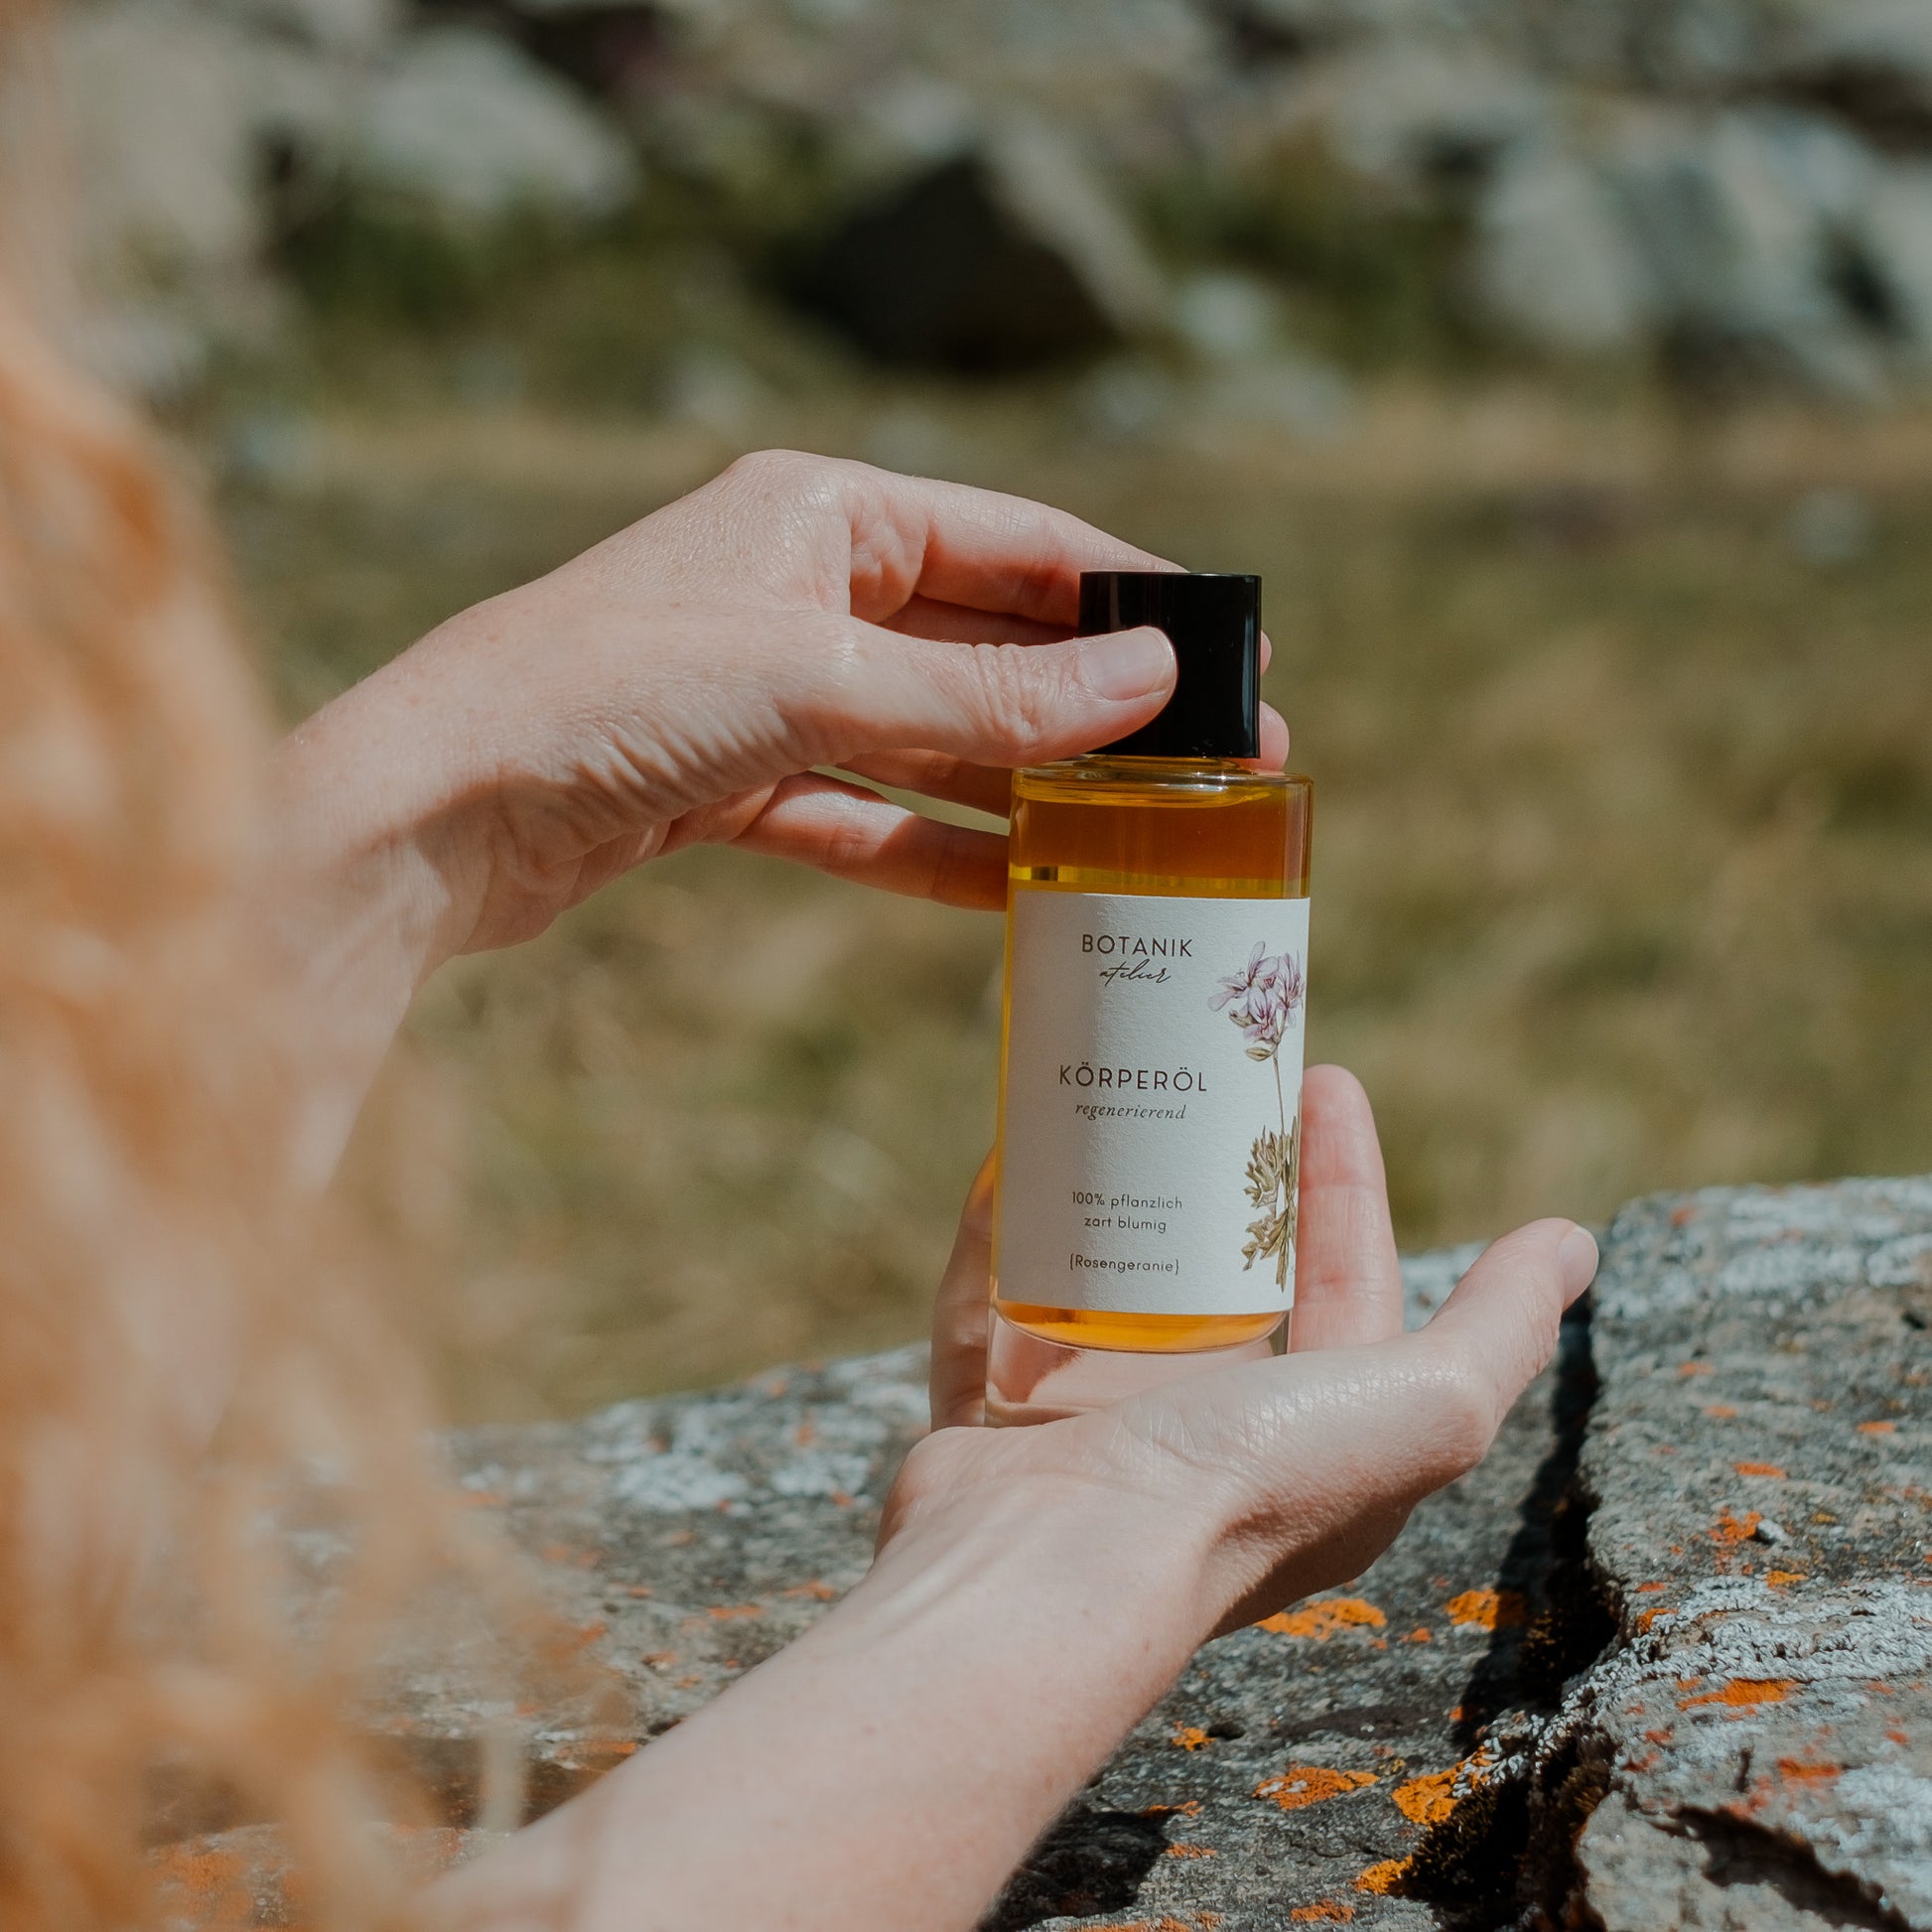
369,813
1060,1548
1015,1629
362,894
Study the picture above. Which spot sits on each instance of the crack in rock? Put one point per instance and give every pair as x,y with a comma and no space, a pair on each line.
1755,1750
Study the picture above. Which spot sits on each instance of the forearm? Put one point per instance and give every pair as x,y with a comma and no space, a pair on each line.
363,893
887,1770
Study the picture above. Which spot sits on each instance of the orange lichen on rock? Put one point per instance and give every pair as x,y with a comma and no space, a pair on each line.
1694,1368
1200,1922
1324,1911
1190,1737
1876,1427
1191,1809
1384,1877
1420,1634
1783,1579
819,1592
1311,1784
1721,1411
1731,1529
1191,1852
1743,1692
215,1885
1759,1469
729,1613
1795,1770
1488,1609
1430,1799
1323,1618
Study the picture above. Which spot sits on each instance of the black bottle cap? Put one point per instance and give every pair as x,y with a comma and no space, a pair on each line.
1213,623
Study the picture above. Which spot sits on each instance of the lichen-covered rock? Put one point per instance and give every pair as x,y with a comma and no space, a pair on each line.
243,1877
1664,1660
1758,1459
688,1537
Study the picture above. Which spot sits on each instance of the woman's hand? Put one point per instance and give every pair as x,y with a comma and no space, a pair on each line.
1305,1467
686,681
678,682
1037,1590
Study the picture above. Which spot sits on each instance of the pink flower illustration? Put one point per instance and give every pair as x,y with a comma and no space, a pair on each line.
1264,999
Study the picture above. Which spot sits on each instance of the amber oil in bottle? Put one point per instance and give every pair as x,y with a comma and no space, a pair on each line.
1155,987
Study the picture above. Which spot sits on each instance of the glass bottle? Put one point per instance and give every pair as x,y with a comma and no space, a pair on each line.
1151,1055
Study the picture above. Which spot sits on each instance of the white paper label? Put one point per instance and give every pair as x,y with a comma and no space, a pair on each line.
1149,1132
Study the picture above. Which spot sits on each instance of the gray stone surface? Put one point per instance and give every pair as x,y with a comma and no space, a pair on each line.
1664,1660
1758,1455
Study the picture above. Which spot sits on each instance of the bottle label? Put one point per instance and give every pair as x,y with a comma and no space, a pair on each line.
1150,1133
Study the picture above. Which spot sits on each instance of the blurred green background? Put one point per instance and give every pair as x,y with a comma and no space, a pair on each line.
1608,658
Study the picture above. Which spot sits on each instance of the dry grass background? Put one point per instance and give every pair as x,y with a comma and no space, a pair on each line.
1623,856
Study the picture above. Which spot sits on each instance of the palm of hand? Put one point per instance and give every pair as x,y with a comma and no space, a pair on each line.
1291,1474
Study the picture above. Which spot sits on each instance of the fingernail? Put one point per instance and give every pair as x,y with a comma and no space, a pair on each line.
1129,665
1577,1262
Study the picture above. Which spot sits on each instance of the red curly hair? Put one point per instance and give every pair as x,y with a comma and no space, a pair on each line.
176,1363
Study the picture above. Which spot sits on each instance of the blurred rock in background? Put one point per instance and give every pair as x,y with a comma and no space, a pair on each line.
200,131
1005,256
1738,191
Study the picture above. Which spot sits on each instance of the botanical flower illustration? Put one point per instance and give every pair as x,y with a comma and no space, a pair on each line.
1261,1001
1264,999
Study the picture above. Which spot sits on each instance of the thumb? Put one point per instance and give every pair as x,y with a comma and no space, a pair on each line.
992,704
1498,1327
961,1309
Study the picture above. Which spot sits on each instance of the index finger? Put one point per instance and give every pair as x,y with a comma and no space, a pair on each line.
961,1310
925,617
914,536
